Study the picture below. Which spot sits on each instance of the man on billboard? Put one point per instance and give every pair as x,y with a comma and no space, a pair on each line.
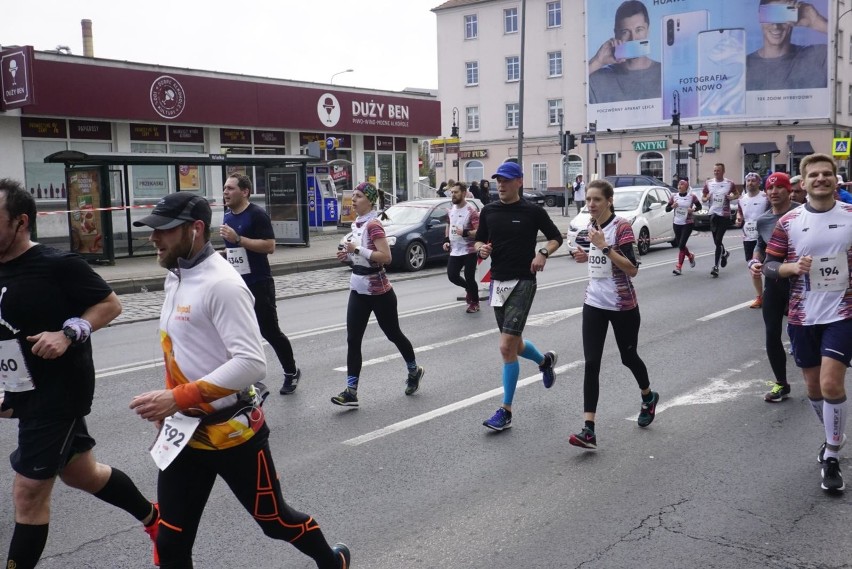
781,64
621,69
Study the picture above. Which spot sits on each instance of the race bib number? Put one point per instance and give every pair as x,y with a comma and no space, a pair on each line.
829,274
501,290
680,215
13,370
173,438
238,259
750,230
600,266
718,200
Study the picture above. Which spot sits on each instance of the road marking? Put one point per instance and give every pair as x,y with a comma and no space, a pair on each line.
548,318
725,311
413,421
716,390
127,368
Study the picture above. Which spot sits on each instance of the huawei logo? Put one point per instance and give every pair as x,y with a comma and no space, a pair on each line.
168,97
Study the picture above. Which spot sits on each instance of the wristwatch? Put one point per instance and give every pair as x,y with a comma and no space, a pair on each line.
70,333
239,239
605,250
357,250
544,252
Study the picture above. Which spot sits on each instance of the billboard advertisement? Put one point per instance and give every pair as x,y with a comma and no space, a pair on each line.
711,61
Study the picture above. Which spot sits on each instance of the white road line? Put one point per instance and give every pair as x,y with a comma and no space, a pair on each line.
725,311
413,421
127,368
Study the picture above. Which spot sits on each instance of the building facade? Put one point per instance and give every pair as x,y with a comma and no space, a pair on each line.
757,127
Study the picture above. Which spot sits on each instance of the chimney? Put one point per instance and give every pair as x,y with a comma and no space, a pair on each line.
88,44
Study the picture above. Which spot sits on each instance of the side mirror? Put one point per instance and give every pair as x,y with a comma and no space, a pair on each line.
655,205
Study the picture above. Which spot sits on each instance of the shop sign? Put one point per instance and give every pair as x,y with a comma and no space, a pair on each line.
186,134
645,145
16,77
90,130
43,128
230,136
472,154
147,132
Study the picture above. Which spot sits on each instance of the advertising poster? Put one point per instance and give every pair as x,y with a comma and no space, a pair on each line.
284,195
84,199
189,178
712,61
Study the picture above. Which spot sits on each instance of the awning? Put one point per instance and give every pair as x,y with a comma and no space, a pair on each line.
802,147
760,148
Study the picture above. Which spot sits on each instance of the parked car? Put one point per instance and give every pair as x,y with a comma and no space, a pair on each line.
644,207
621,180
701,219
415,231
555,197
535,196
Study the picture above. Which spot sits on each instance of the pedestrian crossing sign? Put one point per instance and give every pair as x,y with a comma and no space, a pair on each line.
840,147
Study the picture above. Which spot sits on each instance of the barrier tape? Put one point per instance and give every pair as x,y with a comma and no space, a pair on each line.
115,208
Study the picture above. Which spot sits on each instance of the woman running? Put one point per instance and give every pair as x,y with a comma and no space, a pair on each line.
610,298
683,203
370,292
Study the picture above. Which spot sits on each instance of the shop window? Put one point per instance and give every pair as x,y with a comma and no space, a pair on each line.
473,171
651,164
401,173
44,181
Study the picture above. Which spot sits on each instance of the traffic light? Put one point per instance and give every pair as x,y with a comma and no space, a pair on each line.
693,150
568,142
572,141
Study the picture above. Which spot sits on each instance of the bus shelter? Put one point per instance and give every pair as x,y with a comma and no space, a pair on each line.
101,210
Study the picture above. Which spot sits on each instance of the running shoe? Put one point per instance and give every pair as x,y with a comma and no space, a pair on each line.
412,382
502,419
725,256
347,398
832,479
342,552
758,302
779,392
548,374
648,410
152,530
692,260
714,272
821,454
584,439
472,307
291,382
676,270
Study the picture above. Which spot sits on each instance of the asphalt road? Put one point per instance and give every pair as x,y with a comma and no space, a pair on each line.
720,480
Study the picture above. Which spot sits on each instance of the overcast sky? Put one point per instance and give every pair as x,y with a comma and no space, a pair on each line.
390,44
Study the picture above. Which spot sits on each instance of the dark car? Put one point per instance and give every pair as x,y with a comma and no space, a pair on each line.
621,180
701,219
415,231
535,196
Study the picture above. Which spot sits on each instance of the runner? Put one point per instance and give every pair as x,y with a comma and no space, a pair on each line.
752,205
776,292
371,292
812,245
718,192
459,241
610,298
507,232
683,203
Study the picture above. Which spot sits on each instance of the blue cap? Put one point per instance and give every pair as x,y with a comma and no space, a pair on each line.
509,170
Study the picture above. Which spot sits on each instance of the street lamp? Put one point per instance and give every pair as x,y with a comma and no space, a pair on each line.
676,122
339,73
454,133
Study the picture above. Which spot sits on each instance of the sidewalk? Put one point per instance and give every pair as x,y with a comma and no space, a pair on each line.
143,274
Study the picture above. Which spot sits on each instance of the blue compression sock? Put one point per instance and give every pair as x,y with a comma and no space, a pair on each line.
530,352
352,381
511,371
412,366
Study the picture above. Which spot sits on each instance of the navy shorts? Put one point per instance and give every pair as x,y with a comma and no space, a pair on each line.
812,343
512,316
45,446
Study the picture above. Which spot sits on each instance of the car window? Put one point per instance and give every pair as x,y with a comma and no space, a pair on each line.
662,195
441,213
626,201
408,214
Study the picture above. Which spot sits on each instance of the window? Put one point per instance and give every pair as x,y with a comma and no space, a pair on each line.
472,73
510,21
471,28
474,171
540,176
651,164
554,64
554,14
554,111
513,115
850,100
472,118
513,68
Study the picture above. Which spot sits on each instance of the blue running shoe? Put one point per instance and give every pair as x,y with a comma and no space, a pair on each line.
548,374
502,419
648,410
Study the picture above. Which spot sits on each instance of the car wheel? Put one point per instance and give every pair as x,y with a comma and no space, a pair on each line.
550,201
415,256
644,241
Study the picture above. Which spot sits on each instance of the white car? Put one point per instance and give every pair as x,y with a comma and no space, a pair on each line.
644,207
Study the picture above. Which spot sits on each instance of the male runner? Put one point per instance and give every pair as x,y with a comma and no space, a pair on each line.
752,205
459,241
718,192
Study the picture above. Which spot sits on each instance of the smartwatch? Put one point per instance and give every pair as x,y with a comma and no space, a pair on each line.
544,252
70,334
605,250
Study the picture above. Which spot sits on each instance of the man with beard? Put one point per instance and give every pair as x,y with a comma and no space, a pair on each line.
459,241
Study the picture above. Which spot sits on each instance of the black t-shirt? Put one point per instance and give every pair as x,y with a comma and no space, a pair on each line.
512,230
39,291
253,223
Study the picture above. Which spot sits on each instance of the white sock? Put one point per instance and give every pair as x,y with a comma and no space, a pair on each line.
835,425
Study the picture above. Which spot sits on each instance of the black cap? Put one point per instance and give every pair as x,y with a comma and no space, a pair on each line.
176,209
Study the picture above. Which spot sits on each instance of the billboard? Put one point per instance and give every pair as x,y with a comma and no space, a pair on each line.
711,61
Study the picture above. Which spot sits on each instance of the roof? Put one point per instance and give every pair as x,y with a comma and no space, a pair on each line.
458,3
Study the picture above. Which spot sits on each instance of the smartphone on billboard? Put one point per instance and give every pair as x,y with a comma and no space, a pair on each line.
722,67
633,49
778,14
679,63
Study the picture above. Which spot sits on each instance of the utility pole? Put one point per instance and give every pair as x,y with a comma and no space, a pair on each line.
676,122
521,87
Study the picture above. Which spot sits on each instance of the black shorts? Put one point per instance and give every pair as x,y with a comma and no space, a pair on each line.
512,316
45,446
748,249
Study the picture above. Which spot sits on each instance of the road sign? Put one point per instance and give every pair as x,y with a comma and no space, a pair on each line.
703,137
587,138
840,147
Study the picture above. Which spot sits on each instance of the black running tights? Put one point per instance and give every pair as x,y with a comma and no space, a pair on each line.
625,325
357,316
682,233
774,309
718,226
468,283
